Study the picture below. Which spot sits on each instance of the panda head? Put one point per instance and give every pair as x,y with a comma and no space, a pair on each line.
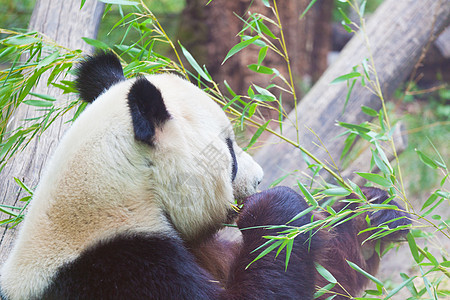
164,139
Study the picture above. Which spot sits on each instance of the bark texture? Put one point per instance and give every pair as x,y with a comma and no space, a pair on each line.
64,22
209,32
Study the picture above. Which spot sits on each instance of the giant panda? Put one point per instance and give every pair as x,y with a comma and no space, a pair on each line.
131,202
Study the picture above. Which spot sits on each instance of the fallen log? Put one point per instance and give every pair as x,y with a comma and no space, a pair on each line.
66,26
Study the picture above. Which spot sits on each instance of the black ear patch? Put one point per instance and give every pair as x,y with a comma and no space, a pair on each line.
147,109
96,74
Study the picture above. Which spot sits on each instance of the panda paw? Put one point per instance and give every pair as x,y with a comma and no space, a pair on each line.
392,218
275,206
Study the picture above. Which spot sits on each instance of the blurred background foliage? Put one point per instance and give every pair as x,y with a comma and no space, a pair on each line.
425,114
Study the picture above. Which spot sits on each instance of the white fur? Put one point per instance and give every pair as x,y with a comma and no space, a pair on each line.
101,182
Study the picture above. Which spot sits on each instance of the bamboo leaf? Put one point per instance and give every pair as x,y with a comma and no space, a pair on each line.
266,251
325,273
367,275
260,69
339,191
239,47
426,160
413,247
119,2
369,111
307,8
307,194
301,214
398,288
96,43
346,77
256,135
262,55
378,179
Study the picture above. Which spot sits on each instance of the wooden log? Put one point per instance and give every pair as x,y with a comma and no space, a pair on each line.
359,158
65,23
397,31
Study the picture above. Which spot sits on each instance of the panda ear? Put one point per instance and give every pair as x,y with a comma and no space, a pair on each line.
96,74
147,109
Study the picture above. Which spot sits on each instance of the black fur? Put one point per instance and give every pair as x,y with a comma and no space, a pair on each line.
133,266
233,157
381,216
146,266
96,74
147,109
267,278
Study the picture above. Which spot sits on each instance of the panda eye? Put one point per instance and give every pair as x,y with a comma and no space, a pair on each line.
233,156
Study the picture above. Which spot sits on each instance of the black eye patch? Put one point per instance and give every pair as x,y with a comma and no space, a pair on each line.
233,156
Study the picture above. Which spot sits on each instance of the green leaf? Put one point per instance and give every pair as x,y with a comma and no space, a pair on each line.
42,96
289,247
307,194
20,40
346,27
366,68
367,275
362,8
413,247
23,186
260,69
8,145
266,3
380,163
349,92
398,288
96,43
266,251
433,208
278,180
301,214
378,179
239,47
324,290
252,109
38,103
262,55
307,8
339,191
433,197
194,64
348,144
346,77
369,111
119,2
346,19
266,30
443,194
82,3
48,60
256,135
426,160
410,286
325,273
354,127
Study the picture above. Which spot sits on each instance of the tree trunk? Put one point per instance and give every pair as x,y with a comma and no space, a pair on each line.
398,31
64,22
209,32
